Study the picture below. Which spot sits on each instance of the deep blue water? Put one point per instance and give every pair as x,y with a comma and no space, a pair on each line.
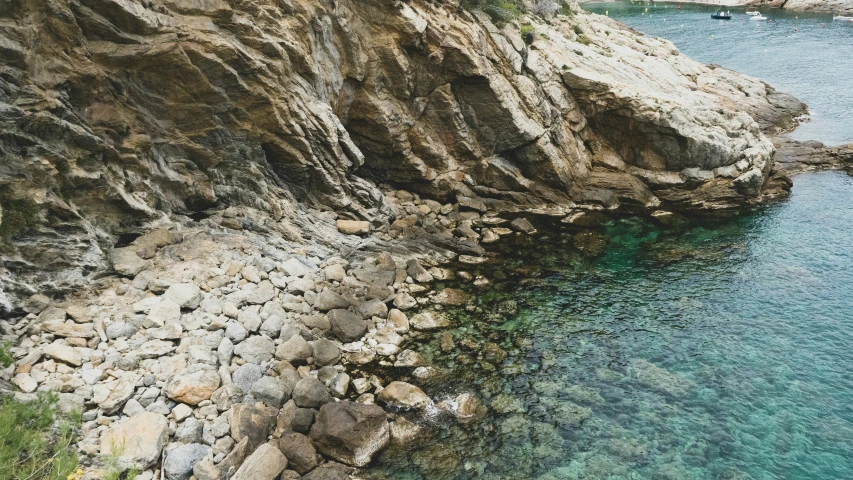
718,349
815,64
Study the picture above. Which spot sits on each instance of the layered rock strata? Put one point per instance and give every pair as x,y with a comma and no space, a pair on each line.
118,113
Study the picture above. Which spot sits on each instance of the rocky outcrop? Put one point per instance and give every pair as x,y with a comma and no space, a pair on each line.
838,7
794,157
116,113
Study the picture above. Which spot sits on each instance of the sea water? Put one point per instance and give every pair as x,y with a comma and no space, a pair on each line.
713,349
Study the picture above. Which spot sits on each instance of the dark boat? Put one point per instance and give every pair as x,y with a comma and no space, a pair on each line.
721,16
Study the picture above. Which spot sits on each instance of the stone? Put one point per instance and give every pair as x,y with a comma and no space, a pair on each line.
328,471
227,395
522,225
452,297
180,461
398,320
164,312
126,262
181,411
325,352
270,391
403,431
329,300
36,303
403,396
300,452
264,292
170,331
339,385
295,350
335,273
256,349
252,422
350,432
25,382
427,321
310,393
409,358
111,397
185,295
246,375
206,469
119,330
302,420
69,329
265,463
51,315
138,440
353,227
417,272
294,268
347,326
63,353
192,384
404,301
236,332
373,308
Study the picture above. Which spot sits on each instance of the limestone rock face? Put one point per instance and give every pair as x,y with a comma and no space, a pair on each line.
350,432
838,7
115,112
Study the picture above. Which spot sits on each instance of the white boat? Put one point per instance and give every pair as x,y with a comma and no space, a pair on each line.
753,14
758,17
843,19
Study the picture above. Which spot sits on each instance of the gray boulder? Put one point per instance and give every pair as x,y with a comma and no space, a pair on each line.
350,432
329,300
257,349
295,350
310,393
180,461
325,353
270,391
346,325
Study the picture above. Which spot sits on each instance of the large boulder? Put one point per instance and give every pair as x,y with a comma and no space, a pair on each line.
256,349
126,262
186,295
403,396
181,460
252,422
350,432
300,452
346,325
266,463
192,384
310,393
138,440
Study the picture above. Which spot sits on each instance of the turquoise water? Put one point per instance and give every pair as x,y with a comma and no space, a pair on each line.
815,64
716,349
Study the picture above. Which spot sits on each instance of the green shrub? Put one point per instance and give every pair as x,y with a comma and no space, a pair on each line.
18,215
527,33
578,29
566,9
500,11
35,440
583,40
6,358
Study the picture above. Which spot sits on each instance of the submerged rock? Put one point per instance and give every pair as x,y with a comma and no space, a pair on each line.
350,432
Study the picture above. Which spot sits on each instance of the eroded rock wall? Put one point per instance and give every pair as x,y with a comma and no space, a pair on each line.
116,113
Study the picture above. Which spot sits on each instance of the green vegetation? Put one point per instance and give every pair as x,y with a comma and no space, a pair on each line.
5,355
583,40
36,440
113,470
18,214
527,33
566,9
578,30
500,11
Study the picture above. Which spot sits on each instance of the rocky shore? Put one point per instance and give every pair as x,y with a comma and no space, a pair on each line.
223,223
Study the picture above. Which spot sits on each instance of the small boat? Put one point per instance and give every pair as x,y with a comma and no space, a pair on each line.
753,14
721,16
842,18
759,17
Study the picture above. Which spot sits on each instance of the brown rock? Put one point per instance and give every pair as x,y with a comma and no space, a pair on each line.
353,227
350,432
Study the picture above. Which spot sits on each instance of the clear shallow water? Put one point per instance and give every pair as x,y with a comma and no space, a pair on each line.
713,350
814,64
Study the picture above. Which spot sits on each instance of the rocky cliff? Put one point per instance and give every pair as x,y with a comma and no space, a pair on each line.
838,7
118,113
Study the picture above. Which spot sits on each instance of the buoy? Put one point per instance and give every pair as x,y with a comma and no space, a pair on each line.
607,13
796,29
